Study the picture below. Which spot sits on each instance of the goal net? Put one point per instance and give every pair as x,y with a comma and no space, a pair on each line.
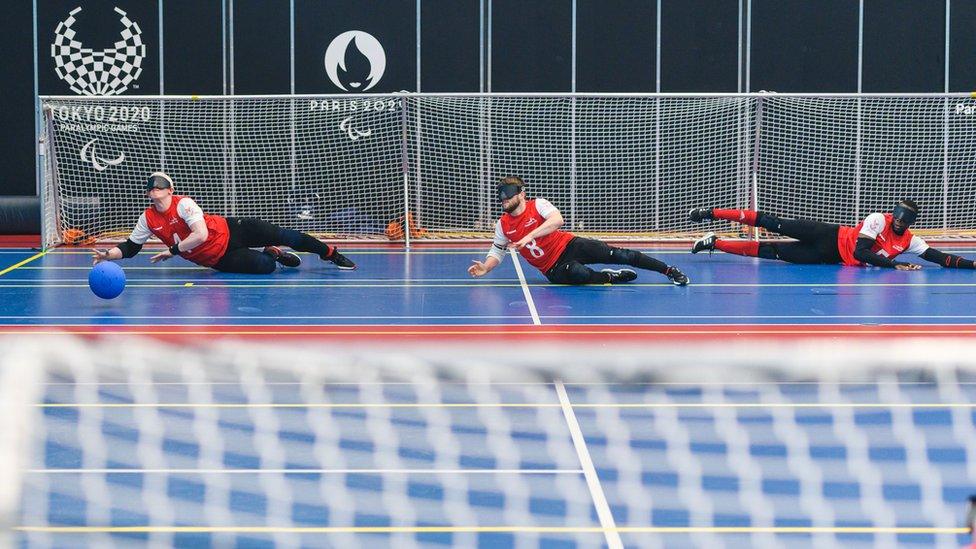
625,166
809,443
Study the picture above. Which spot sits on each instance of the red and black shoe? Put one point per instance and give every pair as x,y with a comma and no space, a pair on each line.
340,260
286,259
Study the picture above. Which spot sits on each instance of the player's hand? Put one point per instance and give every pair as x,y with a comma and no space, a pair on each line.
908,267
520,244
99,255
161,256
477,268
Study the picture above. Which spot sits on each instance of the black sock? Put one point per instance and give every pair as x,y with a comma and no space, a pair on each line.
639,260
647,262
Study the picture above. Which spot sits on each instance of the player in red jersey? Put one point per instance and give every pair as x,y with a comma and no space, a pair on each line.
532,228
213,241
875,241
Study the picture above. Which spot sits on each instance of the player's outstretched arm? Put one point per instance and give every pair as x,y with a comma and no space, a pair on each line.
481,268
129,248
125,250
863,253
496,253
950,261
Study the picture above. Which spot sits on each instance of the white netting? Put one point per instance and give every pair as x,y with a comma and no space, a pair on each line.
244,443
626,166
290,162
839,159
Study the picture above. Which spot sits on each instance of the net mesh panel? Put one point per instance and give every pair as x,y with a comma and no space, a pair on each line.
840,159
238,435
620,166
289,162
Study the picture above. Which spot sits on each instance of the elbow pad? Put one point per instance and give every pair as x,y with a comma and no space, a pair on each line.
129,248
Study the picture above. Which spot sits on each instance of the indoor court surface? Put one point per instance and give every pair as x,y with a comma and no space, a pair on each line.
430,287
158,445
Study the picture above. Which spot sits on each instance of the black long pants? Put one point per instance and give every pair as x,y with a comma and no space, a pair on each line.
817,240
571,267
251,232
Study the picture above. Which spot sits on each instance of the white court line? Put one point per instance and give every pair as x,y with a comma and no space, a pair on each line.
589,472
306,471
525,287
487,283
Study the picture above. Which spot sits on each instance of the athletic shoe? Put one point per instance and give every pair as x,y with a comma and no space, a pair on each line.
706,242
677,277
698,215
620,275
287,259
341,261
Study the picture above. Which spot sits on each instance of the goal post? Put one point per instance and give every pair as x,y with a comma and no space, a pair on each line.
416,166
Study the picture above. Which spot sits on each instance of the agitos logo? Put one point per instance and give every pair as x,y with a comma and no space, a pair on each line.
355,61
103,72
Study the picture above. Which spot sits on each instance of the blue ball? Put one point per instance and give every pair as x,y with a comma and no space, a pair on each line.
106,280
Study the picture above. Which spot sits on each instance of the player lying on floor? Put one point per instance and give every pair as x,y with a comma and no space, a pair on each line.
532,228
213,241
877,240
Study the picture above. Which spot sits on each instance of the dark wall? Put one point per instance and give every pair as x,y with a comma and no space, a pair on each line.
804,46
962,48
262,48
904,46
531,45
616,46
699,46
451,42
795,45
194,64
17,108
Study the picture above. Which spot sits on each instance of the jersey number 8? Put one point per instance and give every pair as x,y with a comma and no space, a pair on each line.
536,251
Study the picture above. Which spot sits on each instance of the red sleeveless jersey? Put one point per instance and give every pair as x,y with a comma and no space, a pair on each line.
166,224
887,243
543,252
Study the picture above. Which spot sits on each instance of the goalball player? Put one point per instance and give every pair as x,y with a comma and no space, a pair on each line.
532,228
213,241
877,240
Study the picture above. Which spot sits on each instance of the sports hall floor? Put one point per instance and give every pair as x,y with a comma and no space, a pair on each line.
425,294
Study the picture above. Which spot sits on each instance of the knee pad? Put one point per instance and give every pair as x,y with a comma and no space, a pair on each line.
576,273
630,257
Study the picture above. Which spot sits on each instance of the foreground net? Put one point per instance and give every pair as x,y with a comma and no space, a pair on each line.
628,166
231,443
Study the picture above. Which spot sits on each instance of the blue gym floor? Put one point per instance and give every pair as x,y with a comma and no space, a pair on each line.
432,287
427,291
